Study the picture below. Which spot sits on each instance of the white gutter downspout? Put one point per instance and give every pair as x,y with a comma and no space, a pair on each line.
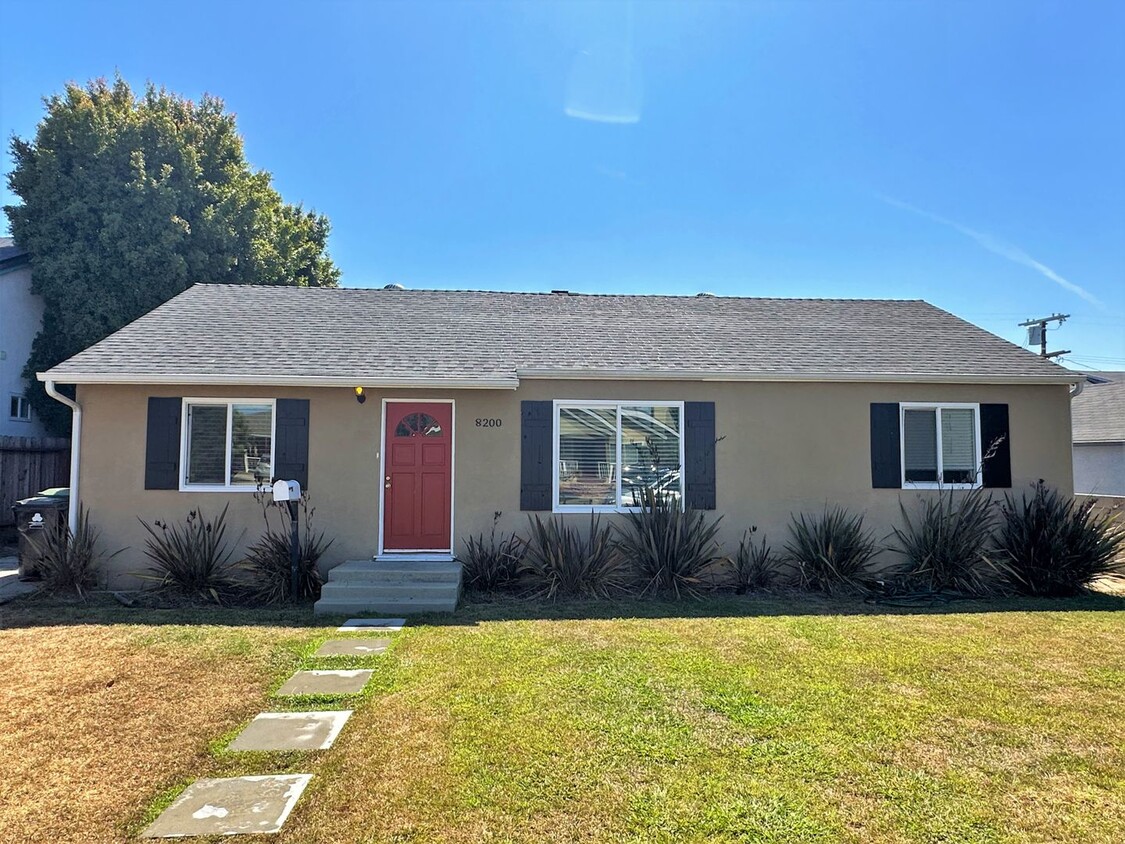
75,449
1077,388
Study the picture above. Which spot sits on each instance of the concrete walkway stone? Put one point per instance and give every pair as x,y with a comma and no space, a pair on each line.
10,584
235,806
291,731
388,625
353,647
326,682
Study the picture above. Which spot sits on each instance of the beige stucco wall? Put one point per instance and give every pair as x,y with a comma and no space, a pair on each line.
785,448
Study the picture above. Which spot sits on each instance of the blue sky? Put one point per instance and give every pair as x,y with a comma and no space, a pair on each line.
967,153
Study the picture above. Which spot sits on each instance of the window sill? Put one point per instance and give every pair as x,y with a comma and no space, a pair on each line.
937,485
563,509
218,488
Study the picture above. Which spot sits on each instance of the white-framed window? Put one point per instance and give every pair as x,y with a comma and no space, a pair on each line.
226,444
19,408
606,452
940,445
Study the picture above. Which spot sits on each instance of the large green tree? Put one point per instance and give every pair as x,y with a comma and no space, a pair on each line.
128,200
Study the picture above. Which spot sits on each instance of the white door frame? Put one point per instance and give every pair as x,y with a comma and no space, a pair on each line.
446,553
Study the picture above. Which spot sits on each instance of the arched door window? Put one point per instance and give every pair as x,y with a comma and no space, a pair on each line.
418,425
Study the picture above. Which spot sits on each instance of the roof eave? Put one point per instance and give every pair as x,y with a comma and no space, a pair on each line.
14,262
853,378
512,382
245,380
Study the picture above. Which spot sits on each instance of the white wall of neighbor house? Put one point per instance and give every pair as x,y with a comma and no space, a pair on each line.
785,448
21,313
1099,468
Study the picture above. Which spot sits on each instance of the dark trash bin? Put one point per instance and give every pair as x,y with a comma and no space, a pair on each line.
34,517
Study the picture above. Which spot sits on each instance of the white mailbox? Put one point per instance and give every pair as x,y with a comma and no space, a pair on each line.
286,491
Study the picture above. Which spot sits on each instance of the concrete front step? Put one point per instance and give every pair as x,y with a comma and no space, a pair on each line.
396,572
395,591
405,563
396,587
348,607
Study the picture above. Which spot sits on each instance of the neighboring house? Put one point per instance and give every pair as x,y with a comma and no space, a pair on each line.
1099,435
21,313
524,403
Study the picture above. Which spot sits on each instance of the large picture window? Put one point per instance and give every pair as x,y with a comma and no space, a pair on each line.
227,445
606,453
940,445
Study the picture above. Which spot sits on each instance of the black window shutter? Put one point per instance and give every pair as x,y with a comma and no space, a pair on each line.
886,449
995,438
699,454
291,451
162,443
536,452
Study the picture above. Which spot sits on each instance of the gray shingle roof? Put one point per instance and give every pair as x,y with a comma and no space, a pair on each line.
9,252
1098,413
225,333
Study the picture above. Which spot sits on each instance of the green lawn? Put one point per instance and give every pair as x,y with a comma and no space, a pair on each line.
729,720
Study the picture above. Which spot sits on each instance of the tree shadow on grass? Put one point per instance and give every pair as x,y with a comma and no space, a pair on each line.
42,610
46,611
475,610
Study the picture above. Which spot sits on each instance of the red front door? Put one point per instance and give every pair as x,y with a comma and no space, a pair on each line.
417,476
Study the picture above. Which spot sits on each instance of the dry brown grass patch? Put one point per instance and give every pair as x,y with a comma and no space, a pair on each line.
100,717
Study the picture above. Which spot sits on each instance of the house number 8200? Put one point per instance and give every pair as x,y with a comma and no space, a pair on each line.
488,423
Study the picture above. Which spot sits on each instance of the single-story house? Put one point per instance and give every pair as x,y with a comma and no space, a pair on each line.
1099,435
412,416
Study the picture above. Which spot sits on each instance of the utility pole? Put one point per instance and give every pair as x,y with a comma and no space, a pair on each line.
1037,334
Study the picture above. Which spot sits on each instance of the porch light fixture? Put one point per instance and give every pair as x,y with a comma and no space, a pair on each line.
359,395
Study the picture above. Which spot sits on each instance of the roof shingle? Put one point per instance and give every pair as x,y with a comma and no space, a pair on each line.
216,333
1098,413
10,253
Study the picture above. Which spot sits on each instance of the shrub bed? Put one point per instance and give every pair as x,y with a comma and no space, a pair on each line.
832,552
956,543
268,561
1054,546
949,544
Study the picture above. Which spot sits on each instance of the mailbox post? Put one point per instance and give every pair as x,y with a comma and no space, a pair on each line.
290,493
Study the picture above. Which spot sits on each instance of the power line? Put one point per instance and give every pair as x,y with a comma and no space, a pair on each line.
1104,358
1083,364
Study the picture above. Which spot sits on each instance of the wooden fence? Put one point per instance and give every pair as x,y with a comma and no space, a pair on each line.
27,465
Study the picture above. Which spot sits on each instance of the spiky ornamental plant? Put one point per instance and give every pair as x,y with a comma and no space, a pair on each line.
671,548
71,561
562,562
832,552
948,544
1053,546
192,559
268,560
754,567
494,563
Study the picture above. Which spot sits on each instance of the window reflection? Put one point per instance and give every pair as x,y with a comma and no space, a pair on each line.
609,454
418,425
